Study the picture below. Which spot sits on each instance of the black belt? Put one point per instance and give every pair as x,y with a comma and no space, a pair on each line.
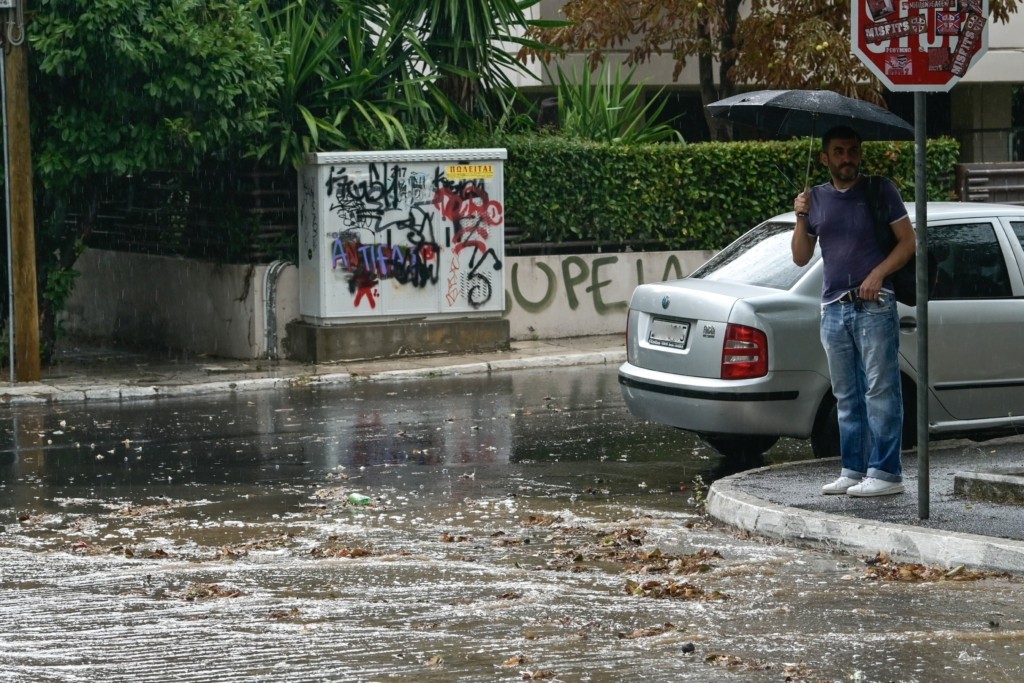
849,298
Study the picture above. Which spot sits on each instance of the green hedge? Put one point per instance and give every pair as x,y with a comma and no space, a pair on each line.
686,196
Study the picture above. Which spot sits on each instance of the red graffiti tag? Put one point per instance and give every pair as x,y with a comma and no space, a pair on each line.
470,202
363,282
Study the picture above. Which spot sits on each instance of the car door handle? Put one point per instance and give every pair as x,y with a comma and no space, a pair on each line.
908,323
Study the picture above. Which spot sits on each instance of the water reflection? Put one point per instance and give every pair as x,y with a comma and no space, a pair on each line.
516,419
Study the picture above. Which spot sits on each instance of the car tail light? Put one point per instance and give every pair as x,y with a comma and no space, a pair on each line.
745,354
629,319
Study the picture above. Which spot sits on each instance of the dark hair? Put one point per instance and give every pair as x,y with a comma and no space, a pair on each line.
838,133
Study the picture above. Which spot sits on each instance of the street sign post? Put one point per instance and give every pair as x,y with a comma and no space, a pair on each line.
919,45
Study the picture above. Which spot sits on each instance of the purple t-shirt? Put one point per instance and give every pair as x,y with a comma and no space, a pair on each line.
846,233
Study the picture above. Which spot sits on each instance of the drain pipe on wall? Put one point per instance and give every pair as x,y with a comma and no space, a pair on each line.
270,278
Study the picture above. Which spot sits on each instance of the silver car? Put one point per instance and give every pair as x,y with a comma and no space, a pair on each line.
732,352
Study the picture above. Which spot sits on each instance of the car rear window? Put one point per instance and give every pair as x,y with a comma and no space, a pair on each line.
761,257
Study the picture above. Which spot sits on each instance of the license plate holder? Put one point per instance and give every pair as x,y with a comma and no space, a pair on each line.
671,333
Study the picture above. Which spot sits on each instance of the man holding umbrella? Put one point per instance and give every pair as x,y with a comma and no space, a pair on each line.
859,320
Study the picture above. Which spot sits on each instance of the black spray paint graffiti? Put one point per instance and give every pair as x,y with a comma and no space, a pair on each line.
383,197
387,231
473,214
367,264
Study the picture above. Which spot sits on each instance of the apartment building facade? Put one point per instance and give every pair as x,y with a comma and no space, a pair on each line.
977,111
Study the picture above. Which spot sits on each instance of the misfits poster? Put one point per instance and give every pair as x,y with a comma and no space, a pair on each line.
919,44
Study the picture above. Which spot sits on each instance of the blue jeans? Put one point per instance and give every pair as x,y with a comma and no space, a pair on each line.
862,347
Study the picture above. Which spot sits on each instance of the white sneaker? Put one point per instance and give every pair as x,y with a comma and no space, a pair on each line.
840,485
874,487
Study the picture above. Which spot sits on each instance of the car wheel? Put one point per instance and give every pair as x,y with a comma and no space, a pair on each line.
825,435
739,445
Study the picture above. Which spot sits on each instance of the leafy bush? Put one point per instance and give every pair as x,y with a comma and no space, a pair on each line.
121,87
606,110
670,196
342,66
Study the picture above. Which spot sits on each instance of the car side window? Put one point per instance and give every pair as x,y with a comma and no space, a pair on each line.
965,261
1018,230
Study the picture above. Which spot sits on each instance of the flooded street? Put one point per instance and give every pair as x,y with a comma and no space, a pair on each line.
521,526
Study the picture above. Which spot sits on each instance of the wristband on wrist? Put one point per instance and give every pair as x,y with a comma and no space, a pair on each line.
802,214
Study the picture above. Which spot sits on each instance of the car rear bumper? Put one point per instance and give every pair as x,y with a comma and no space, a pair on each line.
780,403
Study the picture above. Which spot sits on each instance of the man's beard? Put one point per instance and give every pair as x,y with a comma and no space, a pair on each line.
847,172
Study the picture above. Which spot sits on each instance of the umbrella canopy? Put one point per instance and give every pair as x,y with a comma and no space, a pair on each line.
796,113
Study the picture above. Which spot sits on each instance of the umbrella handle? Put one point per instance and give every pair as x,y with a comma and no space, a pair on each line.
810,151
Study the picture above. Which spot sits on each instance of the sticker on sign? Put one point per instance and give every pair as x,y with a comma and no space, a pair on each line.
919,44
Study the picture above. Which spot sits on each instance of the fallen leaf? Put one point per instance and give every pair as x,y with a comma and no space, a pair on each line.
672,589
208,591
647,632
284,614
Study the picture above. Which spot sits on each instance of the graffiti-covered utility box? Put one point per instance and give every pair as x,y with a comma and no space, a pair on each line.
388,235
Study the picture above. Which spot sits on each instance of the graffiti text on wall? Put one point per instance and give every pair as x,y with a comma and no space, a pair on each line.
410,224
594,278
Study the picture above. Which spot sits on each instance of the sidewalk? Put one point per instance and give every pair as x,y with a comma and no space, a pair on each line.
784,502
83,372
781,502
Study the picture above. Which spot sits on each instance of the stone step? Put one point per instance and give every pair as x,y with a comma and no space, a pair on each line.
996,485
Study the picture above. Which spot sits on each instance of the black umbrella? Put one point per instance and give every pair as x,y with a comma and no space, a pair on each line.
791,113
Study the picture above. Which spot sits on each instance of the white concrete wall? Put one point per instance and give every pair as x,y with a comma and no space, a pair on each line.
226,311
175,303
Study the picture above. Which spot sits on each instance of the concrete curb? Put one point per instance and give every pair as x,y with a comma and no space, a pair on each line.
106,390
854,536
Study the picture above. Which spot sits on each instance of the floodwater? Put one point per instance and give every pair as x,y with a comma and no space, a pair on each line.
521,526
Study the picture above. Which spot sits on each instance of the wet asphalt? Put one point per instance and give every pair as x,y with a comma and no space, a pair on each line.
781,502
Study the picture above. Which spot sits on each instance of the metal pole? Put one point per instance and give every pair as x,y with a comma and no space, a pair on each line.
921,220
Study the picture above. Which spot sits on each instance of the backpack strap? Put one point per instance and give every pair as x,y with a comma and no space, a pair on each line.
904,280
879,212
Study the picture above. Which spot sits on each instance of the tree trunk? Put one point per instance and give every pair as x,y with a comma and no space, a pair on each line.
720,130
